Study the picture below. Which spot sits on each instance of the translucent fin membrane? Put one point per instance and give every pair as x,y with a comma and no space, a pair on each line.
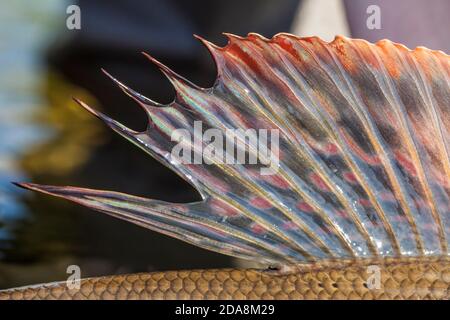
363,148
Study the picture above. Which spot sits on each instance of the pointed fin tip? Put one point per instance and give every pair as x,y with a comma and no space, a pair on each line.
165,69
35,187
208,44
117,82
232,36
59,191
113,124
90,198
176,79
22,185
257,36
96,113
142,100
216,53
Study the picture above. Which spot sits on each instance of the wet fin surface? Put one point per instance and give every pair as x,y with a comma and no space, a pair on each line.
363,152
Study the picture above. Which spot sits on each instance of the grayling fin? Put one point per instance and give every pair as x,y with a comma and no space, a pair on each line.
362,167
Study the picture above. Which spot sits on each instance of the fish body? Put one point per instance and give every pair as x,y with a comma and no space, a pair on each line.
399,279
354,170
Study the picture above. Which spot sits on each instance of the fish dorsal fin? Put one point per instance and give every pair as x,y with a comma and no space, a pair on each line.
356,161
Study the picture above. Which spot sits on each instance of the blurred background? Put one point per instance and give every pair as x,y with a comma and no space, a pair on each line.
46,138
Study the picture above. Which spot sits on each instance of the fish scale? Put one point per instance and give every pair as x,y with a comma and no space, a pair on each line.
399,279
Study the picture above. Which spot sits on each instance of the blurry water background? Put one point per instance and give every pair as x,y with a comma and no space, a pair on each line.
25,30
